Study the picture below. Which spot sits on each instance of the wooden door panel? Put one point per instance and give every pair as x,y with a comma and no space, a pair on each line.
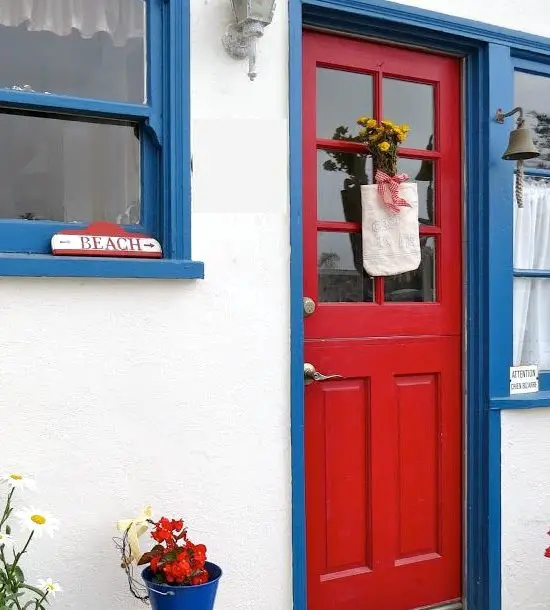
383,442
383,458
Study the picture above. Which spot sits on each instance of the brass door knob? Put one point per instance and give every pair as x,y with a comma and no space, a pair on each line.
311,374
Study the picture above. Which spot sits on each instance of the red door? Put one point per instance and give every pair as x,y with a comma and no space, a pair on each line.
384,441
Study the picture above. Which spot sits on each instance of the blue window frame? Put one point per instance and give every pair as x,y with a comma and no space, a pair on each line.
529,72
161,126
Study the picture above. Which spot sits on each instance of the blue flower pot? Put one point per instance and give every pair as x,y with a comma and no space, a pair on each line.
192,597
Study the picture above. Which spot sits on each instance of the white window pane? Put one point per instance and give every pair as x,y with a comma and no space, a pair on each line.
68,171
532,322
532,226
93,49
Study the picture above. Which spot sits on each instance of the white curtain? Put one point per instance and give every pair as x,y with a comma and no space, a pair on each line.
532,295
122,19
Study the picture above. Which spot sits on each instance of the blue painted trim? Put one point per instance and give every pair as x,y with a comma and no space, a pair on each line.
476,582
65,104
534,273
382,11
37,265
536,400
177,119
536,172
525,63
501,221
299,561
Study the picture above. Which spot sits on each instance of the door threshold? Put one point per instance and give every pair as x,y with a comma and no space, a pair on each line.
456,605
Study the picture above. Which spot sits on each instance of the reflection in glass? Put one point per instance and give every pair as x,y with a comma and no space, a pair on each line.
415,286
413,104
532,93
341,277
342,97
68,171
421,172
339,179
75,48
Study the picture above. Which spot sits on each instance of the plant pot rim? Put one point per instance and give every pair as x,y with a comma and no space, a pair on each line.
147,571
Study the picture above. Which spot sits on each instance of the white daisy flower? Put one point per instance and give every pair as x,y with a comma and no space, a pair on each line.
37,521
18,480
49,586
6,541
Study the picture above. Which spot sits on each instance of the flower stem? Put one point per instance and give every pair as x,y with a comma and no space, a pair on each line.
20,554
7,508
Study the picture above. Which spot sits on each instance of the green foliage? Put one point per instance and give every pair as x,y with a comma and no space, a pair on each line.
15,593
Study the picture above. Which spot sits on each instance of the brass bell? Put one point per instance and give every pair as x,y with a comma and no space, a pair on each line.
520,145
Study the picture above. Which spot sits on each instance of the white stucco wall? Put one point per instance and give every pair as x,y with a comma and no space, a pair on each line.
525,509
120,393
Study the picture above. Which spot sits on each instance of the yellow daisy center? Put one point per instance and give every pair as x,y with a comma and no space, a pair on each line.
16,477
38,519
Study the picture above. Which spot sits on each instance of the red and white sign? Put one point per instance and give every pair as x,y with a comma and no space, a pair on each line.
105,239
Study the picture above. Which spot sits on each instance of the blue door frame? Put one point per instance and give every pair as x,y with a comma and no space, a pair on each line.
488,85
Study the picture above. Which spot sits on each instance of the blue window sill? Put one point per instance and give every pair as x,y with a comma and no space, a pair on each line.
536,400
42,265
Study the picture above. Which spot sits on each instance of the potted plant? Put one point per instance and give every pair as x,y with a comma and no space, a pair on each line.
177,576
16,593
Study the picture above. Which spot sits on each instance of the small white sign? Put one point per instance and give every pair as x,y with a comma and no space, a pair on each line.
524,379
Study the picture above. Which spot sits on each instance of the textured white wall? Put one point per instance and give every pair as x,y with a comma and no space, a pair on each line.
531,16
525,509
120,393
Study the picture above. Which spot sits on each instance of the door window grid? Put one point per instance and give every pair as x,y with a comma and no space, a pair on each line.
430,155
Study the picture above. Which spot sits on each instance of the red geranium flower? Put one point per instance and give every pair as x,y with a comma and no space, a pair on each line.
175,559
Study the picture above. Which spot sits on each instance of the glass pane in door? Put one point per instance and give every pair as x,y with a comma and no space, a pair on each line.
413,104
342,97
341,277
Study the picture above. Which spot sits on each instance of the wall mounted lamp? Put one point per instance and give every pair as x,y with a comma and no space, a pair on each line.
520,147
251,17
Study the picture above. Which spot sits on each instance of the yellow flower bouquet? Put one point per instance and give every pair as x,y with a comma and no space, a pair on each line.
383,139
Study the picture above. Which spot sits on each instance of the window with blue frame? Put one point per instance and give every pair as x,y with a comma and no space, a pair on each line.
532,229
93,105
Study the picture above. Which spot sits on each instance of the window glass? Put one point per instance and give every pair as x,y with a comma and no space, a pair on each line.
52,169
92,49
532,322
532,93
342,97
532,295
413,104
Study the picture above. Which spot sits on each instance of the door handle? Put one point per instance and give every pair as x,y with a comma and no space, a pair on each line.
311,374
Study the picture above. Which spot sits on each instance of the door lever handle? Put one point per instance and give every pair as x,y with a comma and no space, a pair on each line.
311,374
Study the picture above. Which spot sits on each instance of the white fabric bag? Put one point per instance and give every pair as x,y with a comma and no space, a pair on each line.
391,240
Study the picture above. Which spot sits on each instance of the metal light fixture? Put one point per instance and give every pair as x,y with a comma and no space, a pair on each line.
520,148
251,17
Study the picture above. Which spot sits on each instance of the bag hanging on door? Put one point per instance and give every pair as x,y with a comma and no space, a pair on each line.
391,236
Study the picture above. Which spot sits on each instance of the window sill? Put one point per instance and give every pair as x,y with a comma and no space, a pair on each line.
42,265
536,400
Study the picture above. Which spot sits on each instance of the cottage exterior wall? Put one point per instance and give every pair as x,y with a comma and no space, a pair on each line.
121,393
